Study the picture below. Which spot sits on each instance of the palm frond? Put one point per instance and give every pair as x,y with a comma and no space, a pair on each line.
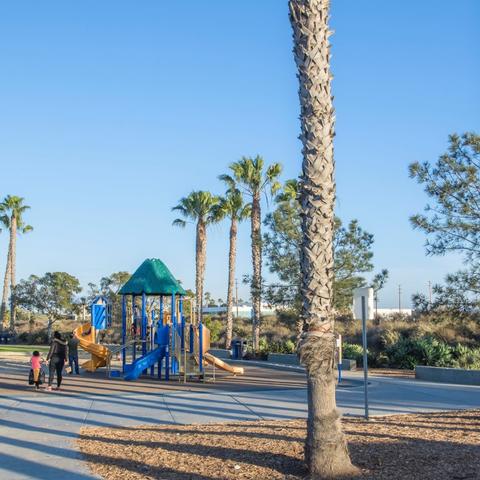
5,221
228,180
178,222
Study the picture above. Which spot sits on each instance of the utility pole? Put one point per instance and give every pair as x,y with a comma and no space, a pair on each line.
399,299
430,291
236,294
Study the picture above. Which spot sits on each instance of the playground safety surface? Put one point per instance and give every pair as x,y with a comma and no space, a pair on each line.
432,446
38,430
13,380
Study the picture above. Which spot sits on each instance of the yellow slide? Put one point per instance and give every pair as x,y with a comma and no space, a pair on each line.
100,354
209,358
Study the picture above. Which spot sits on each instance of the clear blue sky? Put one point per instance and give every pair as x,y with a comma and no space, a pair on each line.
111,111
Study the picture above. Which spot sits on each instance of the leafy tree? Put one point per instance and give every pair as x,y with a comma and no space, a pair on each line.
11,217
326,452
250,176
198,207
378,282
282,241
187,304
459,297
52,295
208,299
451,221
233,207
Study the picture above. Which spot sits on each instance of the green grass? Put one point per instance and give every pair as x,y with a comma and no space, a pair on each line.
23,348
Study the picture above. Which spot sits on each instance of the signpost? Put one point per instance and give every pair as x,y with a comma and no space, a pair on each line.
363,310
339,357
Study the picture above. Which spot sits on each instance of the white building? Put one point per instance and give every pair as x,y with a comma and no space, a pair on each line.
385,312
244,311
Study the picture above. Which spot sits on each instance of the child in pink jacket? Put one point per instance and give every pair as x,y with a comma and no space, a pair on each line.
36,363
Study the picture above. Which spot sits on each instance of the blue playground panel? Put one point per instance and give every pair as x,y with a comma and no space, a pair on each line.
101,313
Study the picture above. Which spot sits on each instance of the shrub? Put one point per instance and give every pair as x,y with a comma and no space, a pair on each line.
215,326
289,346
464,357
353,351
389,337
409,352
403,354
435,353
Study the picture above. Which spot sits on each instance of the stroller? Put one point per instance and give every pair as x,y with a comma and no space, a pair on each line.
41,377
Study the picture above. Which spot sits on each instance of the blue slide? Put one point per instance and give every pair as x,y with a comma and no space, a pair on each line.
142,363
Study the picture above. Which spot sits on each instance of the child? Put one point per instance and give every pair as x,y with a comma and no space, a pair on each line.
36,362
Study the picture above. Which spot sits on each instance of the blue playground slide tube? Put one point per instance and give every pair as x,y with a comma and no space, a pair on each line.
141,364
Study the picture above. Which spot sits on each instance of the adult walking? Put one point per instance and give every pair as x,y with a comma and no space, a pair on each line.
57,356
73,353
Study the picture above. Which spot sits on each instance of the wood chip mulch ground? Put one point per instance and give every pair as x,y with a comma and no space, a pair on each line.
435,446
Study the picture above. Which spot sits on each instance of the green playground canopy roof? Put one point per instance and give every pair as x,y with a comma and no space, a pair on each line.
152,277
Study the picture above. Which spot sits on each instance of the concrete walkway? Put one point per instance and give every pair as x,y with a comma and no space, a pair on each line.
38,430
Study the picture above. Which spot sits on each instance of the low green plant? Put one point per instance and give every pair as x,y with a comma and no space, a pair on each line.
352,351
465,357
215,326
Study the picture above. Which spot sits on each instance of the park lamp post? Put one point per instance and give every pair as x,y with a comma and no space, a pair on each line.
363,310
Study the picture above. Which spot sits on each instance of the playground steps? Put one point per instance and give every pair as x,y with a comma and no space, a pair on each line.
191,367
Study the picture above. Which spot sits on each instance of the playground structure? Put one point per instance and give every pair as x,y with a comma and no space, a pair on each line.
155,333
86,334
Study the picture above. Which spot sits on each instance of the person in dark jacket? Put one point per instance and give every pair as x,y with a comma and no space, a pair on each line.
73,353
57,356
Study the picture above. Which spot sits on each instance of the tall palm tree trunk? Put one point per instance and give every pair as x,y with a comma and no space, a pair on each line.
232,255
326,451
13,242
257,270
6,287
201,253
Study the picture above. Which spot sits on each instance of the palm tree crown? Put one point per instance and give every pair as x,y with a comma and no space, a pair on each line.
232,206
13,207
197,206
250,176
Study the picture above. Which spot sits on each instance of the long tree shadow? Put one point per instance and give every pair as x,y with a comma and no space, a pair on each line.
280,462
409,459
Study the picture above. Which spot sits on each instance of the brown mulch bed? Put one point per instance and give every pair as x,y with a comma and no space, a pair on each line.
435,446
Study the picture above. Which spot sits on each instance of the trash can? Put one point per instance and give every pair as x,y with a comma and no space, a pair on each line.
237,349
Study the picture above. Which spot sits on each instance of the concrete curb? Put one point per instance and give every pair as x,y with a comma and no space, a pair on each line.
455,376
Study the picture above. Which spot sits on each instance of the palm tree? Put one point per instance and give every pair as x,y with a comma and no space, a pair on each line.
11,217
250,176
233,207
326,452
198,207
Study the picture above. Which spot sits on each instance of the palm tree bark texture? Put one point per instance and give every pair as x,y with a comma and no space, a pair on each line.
257,269
231,280
326,452
13,255
201,254
6,287
12,209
